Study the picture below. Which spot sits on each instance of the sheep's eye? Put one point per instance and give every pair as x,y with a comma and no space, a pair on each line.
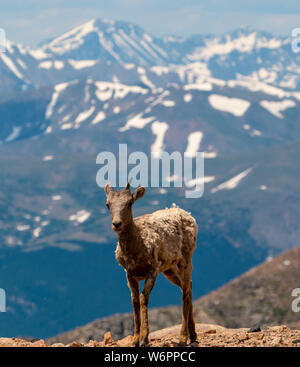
107,205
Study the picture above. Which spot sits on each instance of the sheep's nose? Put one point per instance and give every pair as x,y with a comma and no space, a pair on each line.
117,224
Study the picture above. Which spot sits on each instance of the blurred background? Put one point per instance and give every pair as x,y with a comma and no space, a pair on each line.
82,77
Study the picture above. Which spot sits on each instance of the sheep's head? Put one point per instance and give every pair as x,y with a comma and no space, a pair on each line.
120,204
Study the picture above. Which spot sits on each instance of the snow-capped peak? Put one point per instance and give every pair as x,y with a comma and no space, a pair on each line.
116,41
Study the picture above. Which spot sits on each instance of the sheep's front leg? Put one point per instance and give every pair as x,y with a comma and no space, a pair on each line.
144,300
134,289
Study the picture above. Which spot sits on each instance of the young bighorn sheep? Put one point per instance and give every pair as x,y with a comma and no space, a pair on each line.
161,242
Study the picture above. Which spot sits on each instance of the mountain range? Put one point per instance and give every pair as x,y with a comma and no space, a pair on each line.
235,97
114,50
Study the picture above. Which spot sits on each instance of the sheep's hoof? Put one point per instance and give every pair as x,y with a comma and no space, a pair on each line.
194,342
183,340
136,342
144,342
193,338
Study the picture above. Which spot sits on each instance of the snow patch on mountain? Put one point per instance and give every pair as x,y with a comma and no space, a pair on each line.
67,126
57,64
14,134
22,227
256,132
193,145
236,106
276,107
254,85
105,90
82,64
232,183
188,97
210,155
12,67
80,217
37,232
38,54
144,79
168,103
22,64
160,70
84,116
159,129
58,88
116,110
138,122
245,43
47,158
99,117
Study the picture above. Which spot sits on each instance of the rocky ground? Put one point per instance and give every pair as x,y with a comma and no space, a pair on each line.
208,336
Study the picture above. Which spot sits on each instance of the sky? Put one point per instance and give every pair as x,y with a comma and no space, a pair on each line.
32,21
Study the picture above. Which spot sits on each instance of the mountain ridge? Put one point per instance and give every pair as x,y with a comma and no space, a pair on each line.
251,300
242,53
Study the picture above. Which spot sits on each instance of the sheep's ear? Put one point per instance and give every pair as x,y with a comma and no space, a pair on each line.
107,188
138,193
128,184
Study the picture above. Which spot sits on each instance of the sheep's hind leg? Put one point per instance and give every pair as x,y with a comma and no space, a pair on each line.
173,276
144,300
185,314
191,323
188,324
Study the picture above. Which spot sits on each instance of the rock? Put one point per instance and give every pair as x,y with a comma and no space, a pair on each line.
211,331
126,342
28,339
276,342
254,329
242,337
14,342
259,336
75,345
295,341
108,339
174,331
57,345
93,344
39,343
282,328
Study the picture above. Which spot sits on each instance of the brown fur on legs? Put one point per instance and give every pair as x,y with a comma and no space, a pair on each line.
134,289
144,300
